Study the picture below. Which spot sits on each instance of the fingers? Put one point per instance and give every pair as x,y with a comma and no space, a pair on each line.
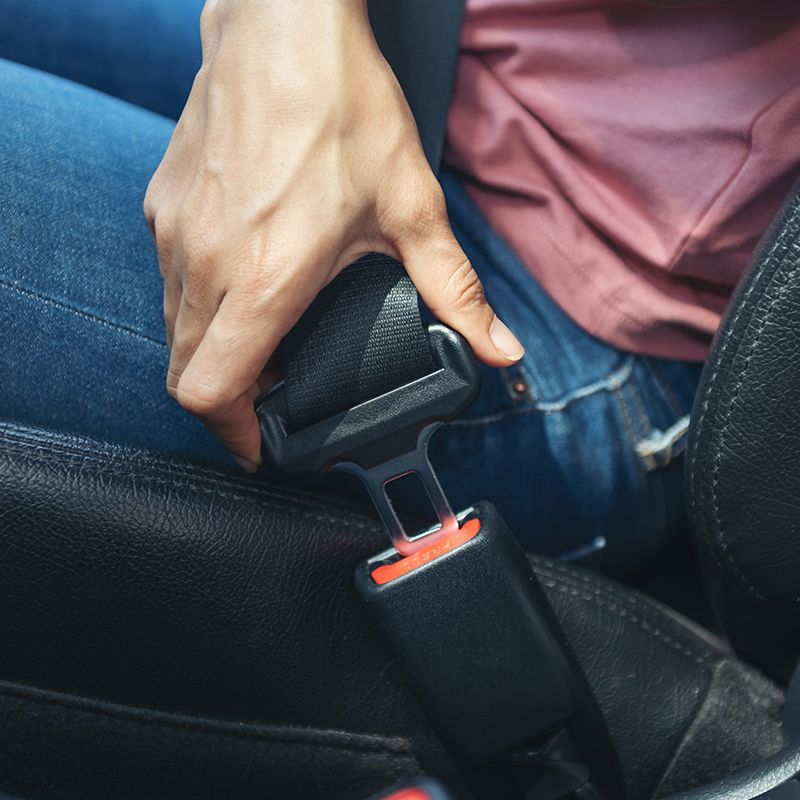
191,323
172,302
226,373
452,290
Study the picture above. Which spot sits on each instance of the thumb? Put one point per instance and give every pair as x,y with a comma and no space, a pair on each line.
453,292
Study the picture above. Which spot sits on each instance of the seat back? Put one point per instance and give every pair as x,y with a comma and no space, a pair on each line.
743,469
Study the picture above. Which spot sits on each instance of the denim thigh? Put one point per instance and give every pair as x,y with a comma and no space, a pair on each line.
144,51
83,344
579,444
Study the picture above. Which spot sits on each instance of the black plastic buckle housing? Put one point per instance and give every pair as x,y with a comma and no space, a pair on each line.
379,429
476,639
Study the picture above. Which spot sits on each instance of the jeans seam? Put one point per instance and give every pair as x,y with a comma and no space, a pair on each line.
666,444
628,423
645,423
677,406
641,441
61,306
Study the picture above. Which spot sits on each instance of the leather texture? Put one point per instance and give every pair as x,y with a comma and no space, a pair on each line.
172,630
744,448
767,779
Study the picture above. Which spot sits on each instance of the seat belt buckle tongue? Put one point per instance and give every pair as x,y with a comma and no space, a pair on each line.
377,478
384,438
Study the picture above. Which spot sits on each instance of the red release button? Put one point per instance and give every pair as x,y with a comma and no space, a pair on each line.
388,572
409,794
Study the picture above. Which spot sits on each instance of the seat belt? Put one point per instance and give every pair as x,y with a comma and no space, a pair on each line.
365,385
420,39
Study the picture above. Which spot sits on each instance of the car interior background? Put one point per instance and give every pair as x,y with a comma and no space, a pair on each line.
170,629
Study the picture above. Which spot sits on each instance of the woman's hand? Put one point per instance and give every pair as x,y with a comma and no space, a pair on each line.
295,155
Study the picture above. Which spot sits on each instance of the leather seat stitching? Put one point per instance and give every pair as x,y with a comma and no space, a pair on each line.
737,385
723,345
289,734
235,493
143,460
260,502
168,469
700,659
641,607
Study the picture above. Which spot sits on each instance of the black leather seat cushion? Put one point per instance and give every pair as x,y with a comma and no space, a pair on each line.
171,630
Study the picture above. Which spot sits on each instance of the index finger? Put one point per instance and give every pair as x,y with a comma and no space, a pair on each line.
217,385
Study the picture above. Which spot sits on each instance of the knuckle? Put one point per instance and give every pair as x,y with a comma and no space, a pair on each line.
209,18
202,249
462,288
201,401
165,228
202,255
427,212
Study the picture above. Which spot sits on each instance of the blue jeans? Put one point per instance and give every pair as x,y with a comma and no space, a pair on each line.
579,445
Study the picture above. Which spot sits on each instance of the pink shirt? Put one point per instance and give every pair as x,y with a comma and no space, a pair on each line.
632,156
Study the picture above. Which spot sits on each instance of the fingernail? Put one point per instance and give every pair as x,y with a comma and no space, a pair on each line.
505,341
246,464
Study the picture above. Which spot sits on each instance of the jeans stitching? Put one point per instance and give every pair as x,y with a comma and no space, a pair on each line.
645,423
61,306
649,456
663,446
676,406
626,417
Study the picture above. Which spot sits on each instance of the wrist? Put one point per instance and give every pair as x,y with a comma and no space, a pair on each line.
298,19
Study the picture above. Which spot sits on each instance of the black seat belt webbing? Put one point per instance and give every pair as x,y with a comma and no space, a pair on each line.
361,337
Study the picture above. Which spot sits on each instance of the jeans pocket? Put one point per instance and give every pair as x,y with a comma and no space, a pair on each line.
653,408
